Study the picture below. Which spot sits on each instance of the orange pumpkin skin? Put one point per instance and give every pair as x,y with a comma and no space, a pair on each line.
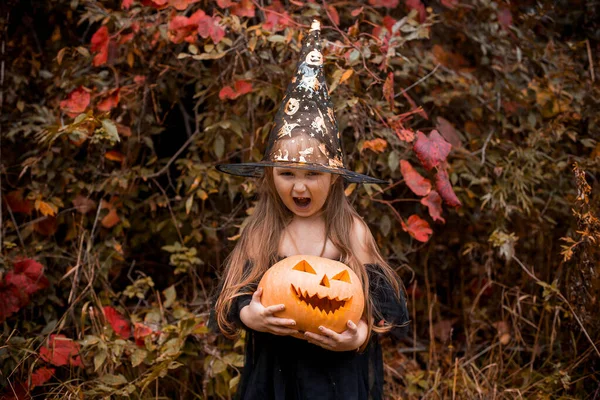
315,291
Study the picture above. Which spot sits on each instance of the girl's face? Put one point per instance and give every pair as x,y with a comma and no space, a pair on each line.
303,192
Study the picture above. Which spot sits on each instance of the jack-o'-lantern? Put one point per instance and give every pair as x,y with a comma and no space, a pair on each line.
315,291
314,58
292,106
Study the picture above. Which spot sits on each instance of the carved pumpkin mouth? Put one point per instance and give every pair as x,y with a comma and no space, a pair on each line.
322,304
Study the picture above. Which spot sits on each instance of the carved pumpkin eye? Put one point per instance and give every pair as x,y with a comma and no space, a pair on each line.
304,267
343,276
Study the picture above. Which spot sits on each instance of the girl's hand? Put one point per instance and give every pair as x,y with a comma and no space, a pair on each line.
262,319
351,339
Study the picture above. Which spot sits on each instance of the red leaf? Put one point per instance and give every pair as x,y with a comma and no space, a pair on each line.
224,3
333,15
418,228
114,155
209,26
100,42
449,3
417,5
61,351
418,184
41,376
433,202
244,8
76,102
181,4
11,300
431,150
119,325
444,187
388,89
27,276
448,132
357,11
109,102
241,87
126,4
140,331
17,203
384,3
505,18
46,226
276,17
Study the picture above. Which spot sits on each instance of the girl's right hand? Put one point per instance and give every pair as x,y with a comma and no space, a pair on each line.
262,319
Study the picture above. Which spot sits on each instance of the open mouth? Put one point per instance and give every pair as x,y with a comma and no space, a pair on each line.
302,202
324,305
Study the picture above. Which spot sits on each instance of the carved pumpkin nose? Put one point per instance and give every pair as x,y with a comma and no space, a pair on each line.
324,281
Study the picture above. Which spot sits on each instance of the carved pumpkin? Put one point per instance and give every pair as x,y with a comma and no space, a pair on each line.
315,291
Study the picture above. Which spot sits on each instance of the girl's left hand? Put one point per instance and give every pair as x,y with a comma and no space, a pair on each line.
351,339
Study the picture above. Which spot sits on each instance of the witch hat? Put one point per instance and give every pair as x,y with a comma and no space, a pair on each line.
305,134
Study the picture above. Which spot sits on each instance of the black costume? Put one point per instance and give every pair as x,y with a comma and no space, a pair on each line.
286,368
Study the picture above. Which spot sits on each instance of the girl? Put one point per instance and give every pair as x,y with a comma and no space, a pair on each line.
302,209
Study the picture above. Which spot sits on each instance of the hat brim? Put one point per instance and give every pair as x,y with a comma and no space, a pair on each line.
256,170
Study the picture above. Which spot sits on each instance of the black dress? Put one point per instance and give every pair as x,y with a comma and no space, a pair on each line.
286,368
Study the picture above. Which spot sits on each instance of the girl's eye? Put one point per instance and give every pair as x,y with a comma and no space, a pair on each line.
314,173
285,173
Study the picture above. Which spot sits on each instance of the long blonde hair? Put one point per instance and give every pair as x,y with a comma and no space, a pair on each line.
268,222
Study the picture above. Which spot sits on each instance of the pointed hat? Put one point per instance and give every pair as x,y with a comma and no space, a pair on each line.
305,134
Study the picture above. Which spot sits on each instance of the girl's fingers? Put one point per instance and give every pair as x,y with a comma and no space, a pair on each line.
282,322
284,331
352,327
256,295
329,333
274,309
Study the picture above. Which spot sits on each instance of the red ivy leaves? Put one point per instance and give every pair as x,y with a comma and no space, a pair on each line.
119,325
18,285
41,376
245,8
417,227
17,203
110,102
177,4
384,3
277,18
444,187
61,351
239,88
100,42
431,150
418,184
11,300
185,29
76,102
28,276
433,202
140,331
417,5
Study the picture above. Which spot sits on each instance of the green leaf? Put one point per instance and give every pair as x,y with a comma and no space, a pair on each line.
113,380
110,129
219,146
170,296
99,359
138,356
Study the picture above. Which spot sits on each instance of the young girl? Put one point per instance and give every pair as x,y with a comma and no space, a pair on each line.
302,209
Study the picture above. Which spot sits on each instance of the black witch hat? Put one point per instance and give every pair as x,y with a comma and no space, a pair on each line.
305,134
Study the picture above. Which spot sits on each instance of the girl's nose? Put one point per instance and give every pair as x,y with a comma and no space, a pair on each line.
299,186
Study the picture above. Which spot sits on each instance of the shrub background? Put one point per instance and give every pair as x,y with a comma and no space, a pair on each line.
115,223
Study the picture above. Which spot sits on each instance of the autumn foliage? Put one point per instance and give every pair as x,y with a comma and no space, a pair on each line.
480,116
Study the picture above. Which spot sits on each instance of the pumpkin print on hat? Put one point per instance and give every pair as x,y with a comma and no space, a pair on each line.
316,291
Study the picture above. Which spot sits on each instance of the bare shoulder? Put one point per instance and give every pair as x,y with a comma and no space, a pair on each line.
361,241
